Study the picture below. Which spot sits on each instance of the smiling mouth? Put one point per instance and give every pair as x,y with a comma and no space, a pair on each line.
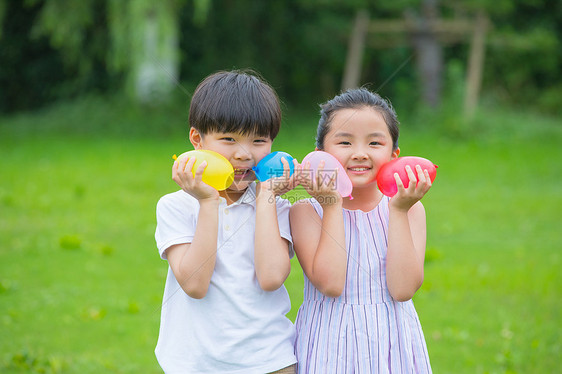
359,169
242,173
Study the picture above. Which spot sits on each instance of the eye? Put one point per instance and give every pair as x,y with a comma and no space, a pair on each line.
227,139
260,141
344,143
374,143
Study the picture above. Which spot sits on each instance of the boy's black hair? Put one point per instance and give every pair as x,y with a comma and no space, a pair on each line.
354,99
237,101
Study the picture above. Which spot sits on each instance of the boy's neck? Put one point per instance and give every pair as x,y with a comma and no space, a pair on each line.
232,196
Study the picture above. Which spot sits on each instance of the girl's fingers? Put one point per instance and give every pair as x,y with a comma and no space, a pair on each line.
427,177
306,175
319,174
398,180
412,177
333,178
421,175
296,173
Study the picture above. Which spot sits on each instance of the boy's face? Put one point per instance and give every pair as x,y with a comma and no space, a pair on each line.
243,152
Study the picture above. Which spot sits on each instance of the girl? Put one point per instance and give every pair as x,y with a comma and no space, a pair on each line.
362,257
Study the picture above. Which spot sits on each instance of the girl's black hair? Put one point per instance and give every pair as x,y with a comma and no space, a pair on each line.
354,99
238,101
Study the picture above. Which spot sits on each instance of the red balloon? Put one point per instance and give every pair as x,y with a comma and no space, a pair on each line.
385,176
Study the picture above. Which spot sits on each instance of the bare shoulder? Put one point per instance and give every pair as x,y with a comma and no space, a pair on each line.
302,214
417,219
417,211
302,208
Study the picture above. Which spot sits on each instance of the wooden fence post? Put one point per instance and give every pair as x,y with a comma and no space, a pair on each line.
475,64
352,73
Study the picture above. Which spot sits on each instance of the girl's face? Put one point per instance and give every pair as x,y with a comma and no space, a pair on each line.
360,140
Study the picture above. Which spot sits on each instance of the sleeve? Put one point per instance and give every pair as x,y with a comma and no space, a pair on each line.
176,218
283,207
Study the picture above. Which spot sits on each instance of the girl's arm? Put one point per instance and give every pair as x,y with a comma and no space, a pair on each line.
407,237
406,251
320,242
320,245
193,263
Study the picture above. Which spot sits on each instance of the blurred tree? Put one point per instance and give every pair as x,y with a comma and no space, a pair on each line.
136,38
144,45
32,73
53,49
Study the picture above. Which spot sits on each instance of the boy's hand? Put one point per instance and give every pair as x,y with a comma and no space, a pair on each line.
405,198
283,184
192,183
323,186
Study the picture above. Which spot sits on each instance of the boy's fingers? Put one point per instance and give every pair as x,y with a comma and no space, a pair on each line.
199,171
187,166
286,168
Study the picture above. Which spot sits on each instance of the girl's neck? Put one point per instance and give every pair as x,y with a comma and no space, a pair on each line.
364,198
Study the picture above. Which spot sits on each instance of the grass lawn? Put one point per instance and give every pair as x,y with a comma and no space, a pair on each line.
81,282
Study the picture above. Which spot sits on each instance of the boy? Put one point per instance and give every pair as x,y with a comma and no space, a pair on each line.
228,251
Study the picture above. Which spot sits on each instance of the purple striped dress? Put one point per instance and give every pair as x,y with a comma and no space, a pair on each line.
364,330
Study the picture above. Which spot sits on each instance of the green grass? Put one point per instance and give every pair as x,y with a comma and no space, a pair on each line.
81,281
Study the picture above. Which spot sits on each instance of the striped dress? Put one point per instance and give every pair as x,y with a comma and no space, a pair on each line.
364,330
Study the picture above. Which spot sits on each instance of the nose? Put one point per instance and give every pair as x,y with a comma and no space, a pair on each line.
359,154
242,153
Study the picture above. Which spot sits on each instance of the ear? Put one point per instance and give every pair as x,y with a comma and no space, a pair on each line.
316,149
196,138
395,153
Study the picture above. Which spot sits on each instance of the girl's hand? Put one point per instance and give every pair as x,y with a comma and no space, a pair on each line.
283,184
405,198
192,183
322,186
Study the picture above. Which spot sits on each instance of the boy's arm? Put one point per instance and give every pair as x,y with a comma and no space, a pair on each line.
320,245
271,251
407,236
193,263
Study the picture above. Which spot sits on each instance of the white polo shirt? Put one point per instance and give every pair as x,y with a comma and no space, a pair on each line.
237,327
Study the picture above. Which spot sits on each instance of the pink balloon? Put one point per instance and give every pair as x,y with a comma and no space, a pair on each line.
331,164
385,176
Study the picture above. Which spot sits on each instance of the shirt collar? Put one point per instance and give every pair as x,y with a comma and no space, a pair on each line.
249,196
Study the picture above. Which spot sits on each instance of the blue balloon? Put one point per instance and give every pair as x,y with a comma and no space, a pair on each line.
271,166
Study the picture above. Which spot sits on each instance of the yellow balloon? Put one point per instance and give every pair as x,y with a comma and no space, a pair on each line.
218,173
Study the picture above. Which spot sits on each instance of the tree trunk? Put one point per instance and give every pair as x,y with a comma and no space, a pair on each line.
429,54
475,64
354,60
154,50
